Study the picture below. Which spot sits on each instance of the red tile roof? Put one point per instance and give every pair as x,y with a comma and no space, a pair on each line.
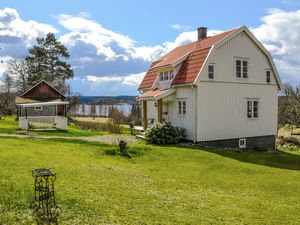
193,54
154,93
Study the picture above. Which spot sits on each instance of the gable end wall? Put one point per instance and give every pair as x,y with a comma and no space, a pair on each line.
221,103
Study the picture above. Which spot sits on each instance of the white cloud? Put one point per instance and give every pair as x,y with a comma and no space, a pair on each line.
180,27
13,28
291,2
131,79
280,34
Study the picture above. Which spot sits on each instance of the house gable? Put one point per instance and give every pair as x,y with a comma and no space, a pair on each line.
43,90
244,46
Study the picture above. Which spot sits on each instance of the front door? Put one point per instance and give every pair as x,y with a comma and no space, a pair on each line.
165,113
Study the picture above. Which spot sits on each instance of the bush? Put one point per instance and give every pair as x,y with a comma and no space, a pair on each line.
164,134
288,143
123,148
110,126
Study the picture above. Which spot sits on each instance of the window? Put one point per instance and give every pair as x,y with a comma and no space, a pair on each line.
241,67
171,74
38,108
252,109
210,72
245,69
181,107
166,75
238,68
268,76
161,76
242,143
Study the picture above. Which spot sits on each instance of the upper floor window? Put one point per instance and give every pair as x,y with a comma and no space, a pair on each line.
241,68
161,76
181,104
252,109
268,76
210,72
167,75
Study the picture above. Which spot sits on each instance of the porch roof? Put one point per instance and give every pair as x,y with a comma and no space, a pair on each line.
30,102
156,94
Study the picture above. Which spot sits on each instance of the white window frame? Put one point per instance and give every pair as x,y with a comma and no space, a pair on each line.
181,107
243,70
251,113
161,76
166,75
209,73
38,108
242,143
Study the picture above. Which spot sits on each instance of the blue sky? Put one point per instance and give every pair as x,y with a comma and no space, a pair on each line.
113,42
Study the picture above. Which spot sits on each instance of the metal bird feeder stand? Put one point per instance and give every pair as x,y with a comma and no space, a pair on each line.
46,211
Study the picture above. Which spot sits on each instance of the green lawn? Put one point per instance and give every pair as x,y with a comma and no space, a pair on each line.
158,185
10,126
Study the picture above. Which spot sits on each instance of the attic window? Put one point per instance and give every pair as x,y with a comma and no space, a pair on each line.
210,72
167,75
241,67
268,76
161,76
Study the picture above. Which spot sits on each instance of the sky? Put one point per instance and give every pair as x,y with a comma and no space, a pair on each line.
112,43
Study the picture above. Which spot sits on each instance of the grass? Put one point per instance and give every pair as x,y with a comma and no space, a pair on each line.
158,185
10,126
91,119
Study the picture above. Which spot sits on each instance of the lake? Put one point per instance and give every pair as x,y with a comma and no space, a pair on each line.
103,110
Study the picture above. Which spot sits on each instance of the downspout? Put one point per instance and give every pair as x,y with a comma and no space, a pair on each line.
194,88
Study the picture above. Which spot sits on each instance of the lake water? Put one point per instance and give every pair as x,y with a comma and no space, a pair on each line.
103,110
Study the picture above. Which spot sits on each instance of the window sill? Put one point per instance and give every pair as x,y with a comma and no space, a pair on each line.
251,119
242,78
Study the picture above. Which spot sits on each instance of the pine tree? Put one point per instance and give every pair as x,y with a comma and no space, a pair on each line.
45,61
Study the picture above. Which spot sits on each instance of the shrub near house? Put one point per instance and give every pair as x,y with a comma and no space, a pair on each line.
165,133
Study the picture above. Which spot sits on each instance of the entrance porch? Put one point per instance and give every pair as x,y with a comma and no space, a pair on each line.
156,106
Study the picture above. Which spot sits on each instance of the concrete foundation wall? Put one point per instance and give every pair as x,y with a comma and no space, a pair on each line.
259,143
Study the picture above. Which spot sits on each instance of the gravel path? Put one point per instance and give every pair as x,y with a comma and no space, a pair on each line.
109,139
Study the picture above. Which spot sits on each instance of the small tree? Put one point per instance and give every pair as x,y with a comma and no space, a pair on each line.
74,101
18,69
7,97
93,110
289,106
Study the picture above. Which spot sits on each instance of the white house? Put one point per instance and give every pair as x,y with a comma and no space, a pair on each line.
222,89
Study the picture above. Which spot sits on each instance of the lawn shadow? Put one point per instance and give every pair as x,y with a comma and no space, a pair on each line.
277,159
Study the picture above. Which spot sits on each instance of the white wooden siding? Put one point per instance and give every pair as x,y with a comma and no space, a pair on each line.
222,111
222,101
223,59
151,110
186,121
